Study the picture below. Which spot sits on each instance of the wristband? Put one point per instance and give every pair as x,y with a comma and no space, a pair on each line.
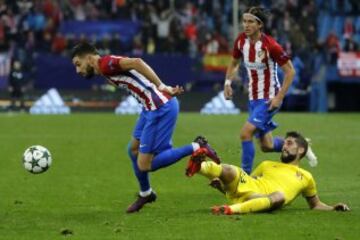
228,82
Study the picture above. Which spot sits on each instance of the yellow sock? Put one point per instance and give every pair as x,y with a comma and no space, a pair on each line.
210,169
253,205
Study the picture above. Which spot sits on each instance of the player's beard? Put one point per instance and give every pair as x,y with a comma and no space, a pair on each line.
287,158
90,72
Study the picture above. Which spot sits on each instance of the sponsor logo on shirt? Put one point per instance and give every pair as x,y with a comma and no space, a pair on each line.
255,66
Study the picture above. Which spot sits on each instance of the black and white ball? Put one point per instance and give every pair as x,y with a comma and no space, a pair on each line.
37,159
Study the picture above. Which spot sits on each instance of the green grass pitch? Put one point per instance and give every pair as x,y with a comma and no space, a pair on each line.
90,182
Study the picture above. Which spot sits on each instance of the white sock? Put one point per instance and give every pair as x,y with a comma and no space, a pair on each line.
195,146
146,193
310,155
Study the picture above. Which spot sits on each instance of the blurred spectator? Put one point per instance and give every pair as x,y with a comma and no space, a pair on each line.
17,84
46,43
211,45
163,30
296,38
215,43
349,28
59,44
137,47
223,43
190,30
332,47
78,10
104,45
115,44
178,41
71,41
151,46
355,6
350,45
166,26
299,82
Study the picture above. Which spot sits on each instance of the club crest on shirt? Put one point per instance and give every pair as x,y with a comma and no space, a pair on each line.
261,54
299,175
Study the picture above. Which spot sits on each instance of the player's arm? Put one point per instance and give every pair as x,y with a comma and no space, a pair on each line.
139,65
316,204
231,72
289,73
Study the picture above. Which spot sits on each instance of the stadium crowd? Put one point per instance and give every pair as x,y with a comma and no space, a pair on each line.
190,27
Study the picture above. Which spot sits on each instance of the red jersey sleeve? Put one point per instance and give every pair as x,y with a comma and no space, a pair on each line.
278,54
237,53
109,65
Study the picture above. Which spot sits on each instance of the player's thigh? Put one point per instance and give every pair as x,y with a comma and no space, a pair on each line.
158,129
139,126
261,118
166,126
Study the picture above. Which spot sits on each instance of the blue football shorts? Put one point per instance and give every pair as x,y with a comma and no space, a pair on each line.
154,129
261,117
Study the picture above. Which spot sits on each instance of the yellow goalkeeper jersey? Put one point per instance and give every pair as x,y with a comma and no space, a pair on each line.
272,176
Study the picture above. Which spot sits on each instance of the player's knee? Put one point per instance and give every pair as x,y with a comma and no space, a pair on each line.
245,136
144,162
132,150
277,199
143,166
228,174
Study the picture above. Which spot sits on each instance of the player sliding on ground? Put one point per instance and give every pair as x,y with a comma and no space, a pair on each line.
151,146
271,185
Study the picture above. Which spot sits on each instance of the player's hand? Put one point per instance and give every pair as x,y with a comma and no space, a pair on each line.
274,103
228,92
177,90
173,91
342,207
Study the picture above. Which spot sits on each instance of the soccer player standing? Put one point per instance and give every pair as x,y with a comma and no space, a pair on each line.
151,146
261,54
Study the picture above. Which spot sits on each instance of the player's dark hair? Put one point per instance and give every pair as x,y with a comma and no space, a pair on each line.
259,12
300,140
82,49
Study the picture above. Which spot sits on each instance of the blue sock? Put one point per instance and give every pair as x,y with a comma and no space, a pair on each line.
142,177
278,144
248,154
170,156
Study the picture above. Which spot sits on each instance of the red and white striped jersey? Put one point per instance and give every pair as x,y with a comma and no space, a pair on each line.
261,59
133,82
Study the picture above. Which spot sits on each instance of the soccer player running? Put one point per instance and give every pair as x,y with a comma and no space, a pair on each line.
272,184
261,54
151,146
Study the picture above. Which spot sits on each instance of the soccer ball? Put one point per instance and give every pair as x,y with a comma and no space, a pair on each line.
37,159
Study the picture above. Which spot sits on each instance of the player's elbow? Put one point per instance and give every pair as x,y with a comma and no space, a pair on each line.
138,62
133,63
